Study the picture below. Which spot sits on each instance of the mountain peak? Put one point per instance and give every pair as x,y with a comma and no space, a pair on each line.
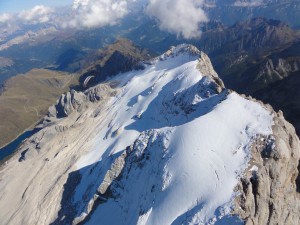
186,52
182,49
168,139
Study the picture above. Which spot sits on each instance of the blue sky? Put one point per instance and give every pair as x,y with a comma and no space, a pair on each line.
12,6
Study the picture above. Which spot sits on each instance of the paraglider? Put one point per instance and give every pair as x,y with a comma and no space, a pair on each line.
87,80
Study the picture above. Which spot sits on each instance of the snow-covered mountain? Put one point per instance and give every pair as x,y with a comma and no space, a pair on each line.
168,144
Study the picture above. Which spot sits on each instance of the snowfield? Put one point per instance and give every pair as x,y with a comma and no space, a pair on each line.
197,143
168,149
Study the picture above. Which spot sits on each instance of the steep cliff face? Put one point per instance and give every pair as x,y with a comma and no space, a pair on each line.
165,145
270,190
285,95
278,69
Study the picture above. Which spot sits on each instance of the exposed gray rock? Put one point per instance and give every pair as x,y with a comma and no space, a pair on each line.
68,103
77,101
269,194
206,68
277,69
113,173
100,92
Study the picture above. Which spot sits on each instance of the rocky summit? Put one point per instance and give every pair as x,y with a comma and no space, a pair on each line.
166,144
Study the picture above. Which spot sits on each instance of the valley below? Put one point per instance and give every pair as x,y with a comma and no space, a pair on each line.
26,98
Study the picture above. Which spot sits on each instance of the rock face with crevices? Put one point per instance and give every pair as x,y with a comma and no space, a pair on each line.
77,101
270,195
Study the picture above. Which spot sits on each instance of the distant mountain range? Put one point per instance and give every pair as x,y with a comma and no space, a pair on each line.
232,11
242,52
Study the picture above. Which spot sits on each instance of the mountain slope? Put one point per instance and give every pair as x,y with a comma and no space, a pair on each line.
119,57
164,145
26,99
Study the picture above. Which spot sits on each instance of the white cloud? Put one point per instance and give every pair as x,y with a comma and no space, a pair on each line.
96,13
181,17
248,3
5,17
38,14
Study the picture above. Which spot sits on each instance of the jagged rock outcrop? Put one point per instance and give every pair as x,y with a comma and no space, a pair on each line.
66,104
77,101
278,69
269,192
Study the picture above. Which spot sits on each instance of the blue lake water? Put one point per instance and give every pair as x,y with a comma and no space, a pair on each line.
13,146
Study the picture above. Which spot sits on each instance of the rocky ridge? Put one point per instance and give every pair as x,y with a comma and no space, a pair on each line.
77,194
279,69
269,192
